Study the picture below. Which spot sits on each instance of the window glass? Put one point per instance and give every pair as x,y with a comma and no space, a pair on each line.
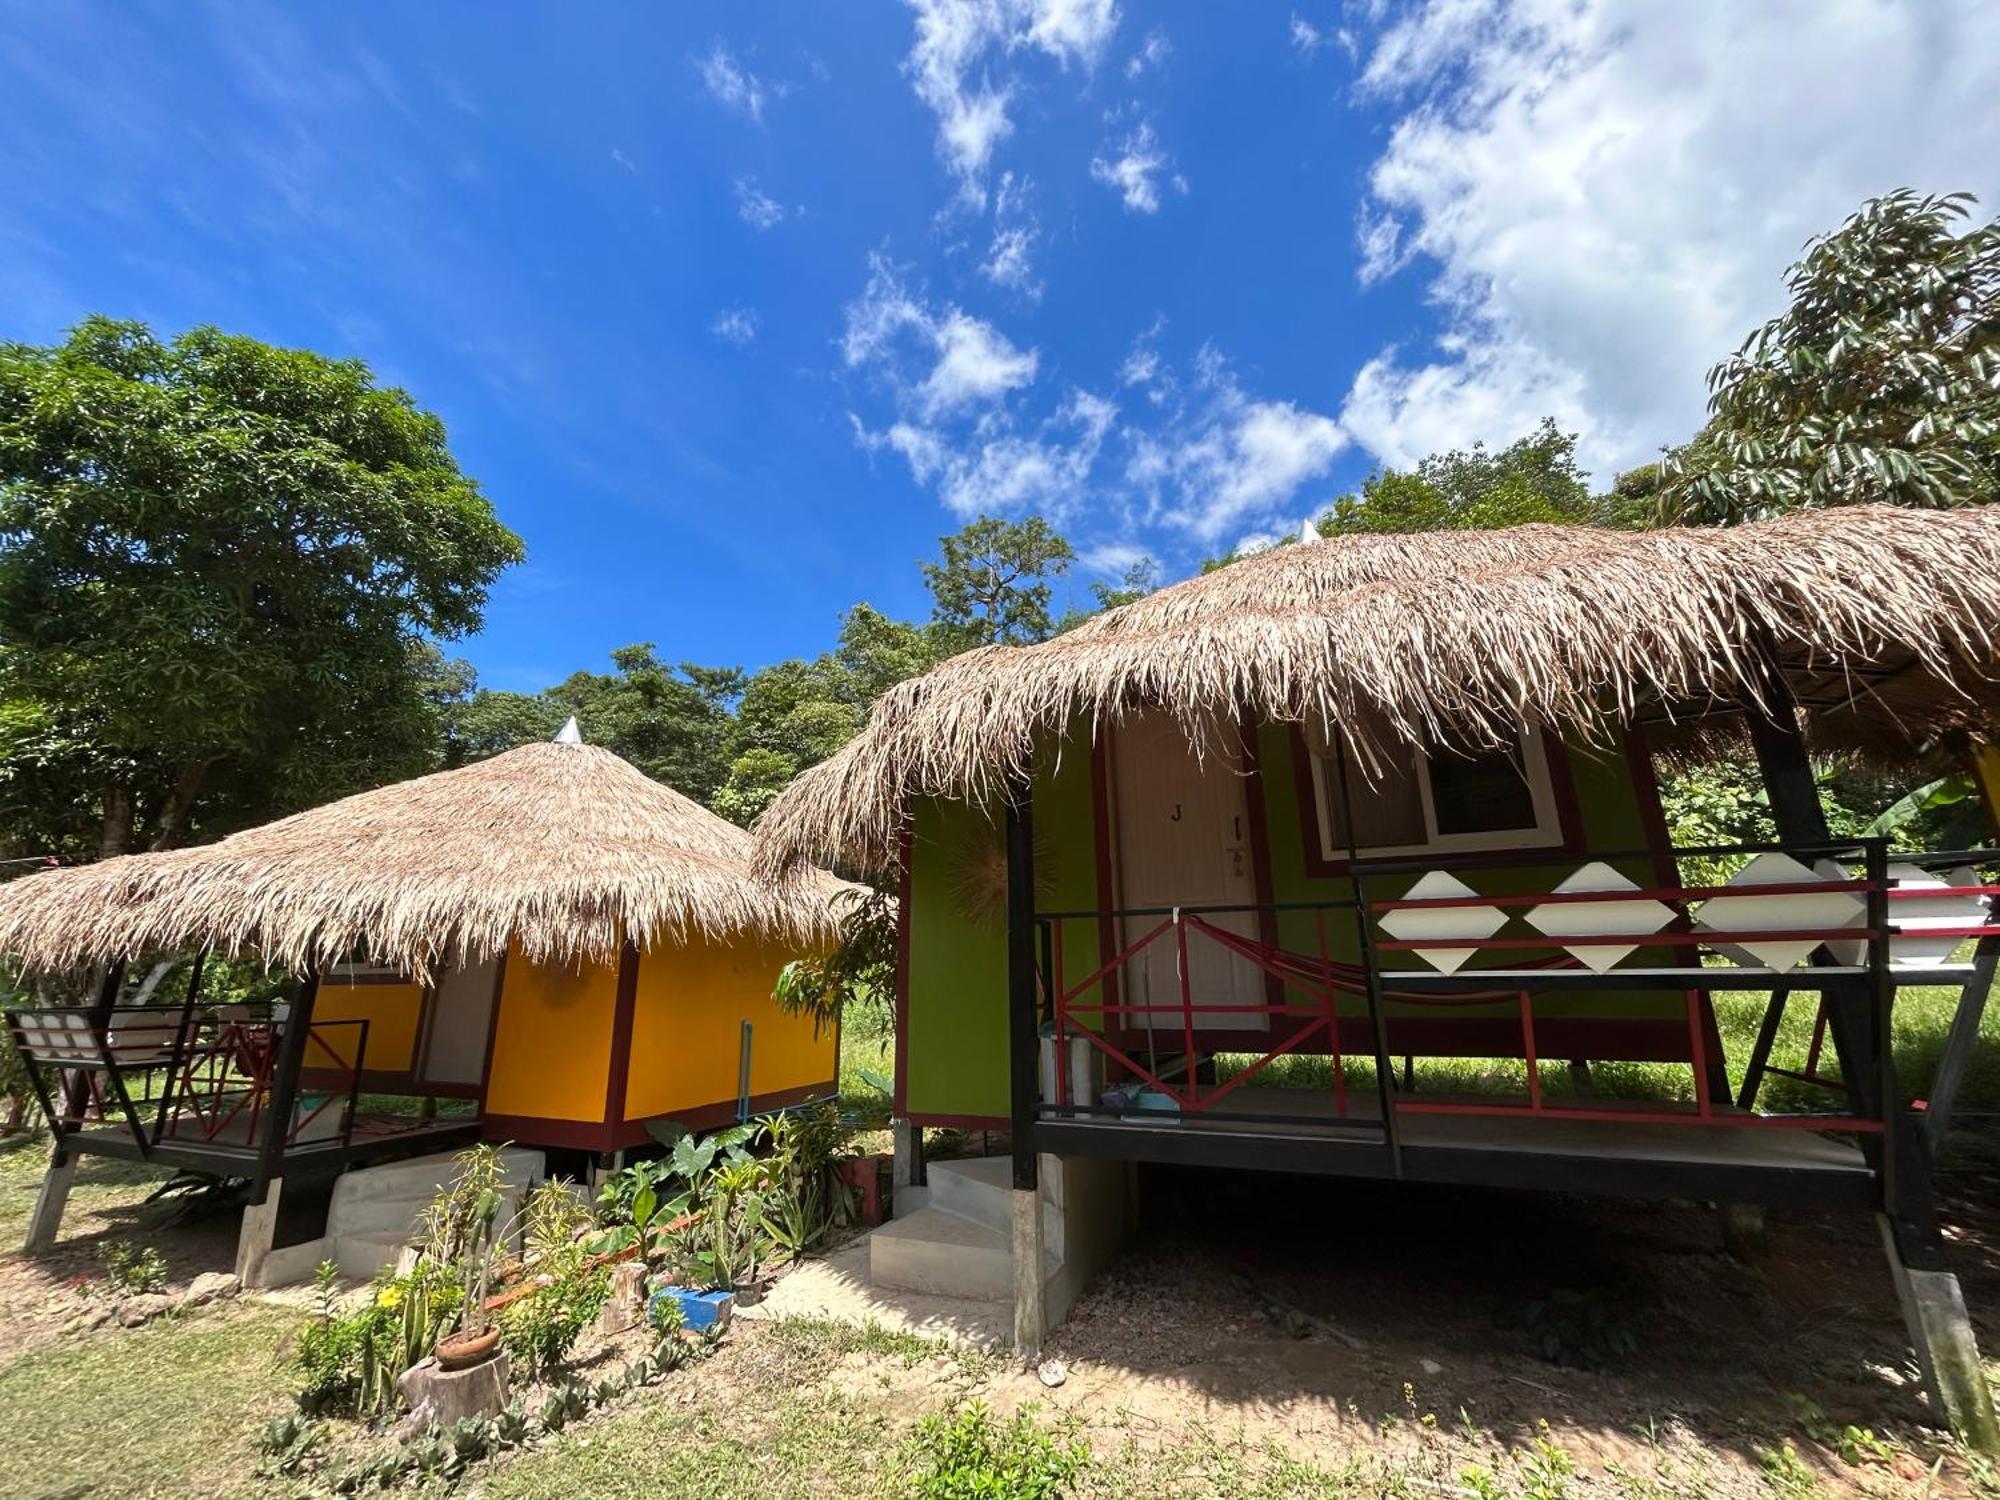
1480,793
1388,811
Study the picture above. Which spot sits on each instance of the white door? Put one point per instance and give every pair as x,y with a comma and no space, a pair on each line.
461,1016
1184,840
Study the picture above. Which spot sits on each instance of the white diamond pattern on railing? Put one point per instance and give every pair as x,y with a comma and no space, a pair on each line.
1443,921
1911,918
1798,911
1567,919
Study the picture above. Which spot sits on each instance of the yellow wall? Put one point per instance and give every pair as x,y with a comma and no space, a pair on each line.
392,1012
552,1051
686,1026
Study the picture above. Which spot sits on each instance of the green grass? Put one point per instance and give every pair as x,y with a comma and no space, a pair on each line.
173,1408
1922,1022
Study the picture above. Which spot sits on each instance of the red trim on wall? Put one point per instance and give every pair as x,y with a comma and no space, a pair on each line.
899,1087
621,1033
1260,849
593,1135
493,1026
1562,787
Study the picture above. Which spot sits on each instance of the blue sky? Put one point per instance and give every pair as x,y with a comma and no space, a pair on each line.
734,309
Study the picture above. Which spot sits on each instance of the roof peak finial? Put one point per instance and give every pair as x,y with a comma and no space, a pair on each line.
1308,532
569,734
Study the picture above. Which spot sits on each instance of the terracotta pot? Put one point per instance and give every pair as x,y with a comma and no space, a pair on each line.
461,1351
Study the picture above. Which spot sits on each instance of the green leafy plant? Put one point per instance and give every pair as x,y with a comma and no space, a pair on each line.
859,968
1786,1472
968,1455
289,1443
1578,1329
132,1269
1546,1467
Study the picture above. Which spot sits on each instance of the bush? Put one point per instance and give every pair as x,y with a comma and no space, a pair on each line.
541,1328
130,1268
970,1456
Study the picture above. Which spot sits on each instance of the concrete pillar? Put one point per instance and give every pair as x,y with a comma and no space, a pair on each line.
908,1141
259,1232
1947,1353
46,1222
1029,1323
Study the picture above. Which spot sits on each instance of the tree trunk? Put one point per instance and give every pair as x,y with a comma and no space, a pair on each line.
116,835
174,815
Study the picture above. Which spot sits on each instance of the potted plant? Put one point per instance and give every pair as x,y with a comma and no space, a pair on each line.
460,1234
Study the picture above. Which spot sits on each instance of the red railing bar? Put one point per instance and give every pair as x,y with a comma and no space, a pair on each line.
1528,1050
1295,1039
1698,1054
1187,1010
1664,939
1062,1016
1132,1066
1116,959
1655,893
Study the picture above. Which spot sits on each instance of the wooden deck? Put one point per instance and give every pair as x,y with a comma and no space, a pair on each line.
1288,1129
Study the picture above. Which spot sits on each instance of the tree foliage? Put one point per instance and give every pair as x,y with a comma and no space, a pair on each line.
220,564
1879,383
1535,478
992,582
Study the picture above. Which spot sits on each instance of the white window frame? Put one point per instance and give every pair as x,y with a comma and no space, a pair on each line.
1546,833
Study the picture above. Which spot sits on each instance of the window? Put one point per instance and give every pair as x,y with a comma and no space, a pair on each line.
1500,799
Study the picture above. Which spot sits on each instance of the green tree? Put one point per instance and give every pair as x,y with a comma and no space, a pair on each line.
673,723
1879,383
1535,478
991,582
217,561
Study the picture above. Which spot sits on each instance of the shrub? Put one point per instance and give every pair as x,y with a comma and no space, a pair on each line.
541,1328
130,1268
967,1455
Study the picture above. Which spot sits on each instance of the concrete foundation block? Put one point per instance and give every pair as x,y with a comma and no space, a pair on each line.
46,1221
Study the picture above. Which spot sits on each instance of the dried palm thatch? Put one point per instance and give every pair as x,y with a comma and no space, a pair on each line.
559,848
1880,619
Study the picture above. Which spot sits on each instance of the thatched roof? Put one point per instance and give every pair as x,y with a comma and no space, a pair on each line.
1881,618
557,847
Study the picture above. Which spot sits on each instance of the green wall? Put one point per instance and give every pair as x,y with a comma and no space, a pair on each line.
956,1043
957,1019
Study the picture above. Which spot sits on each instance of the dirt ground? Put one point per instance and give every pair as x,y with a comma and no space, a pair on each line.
1317,1336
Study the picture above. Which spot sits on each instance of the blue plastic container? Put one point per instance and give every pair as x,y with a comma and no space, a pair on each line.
700,1311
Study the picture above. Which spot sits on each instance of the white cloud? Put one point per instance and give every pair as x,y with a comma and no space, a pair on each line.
976,363
756,207
1150,55
735,325
970,362
1230,459
955,39
732,83
1046,470
1306,37
1134,169
1606,193
1010,259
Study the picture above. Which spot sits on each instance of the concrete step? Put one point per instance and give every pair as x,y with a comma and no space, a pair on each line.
943,1255
374,1210
981,1188
360,1256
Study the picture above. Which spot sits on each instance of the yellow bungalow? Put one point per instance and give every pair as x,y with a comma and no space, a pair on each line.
571,946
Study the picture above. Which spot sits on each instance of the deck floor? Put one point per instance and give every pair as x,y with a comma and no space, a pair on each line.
1548,1133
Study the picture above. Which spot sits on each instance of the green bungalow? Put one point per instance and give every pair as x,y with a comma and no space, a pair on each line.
1379,799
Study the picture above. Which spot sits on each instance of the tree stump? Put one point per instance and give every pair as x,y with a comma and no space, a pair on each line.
447,1396
627,1303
